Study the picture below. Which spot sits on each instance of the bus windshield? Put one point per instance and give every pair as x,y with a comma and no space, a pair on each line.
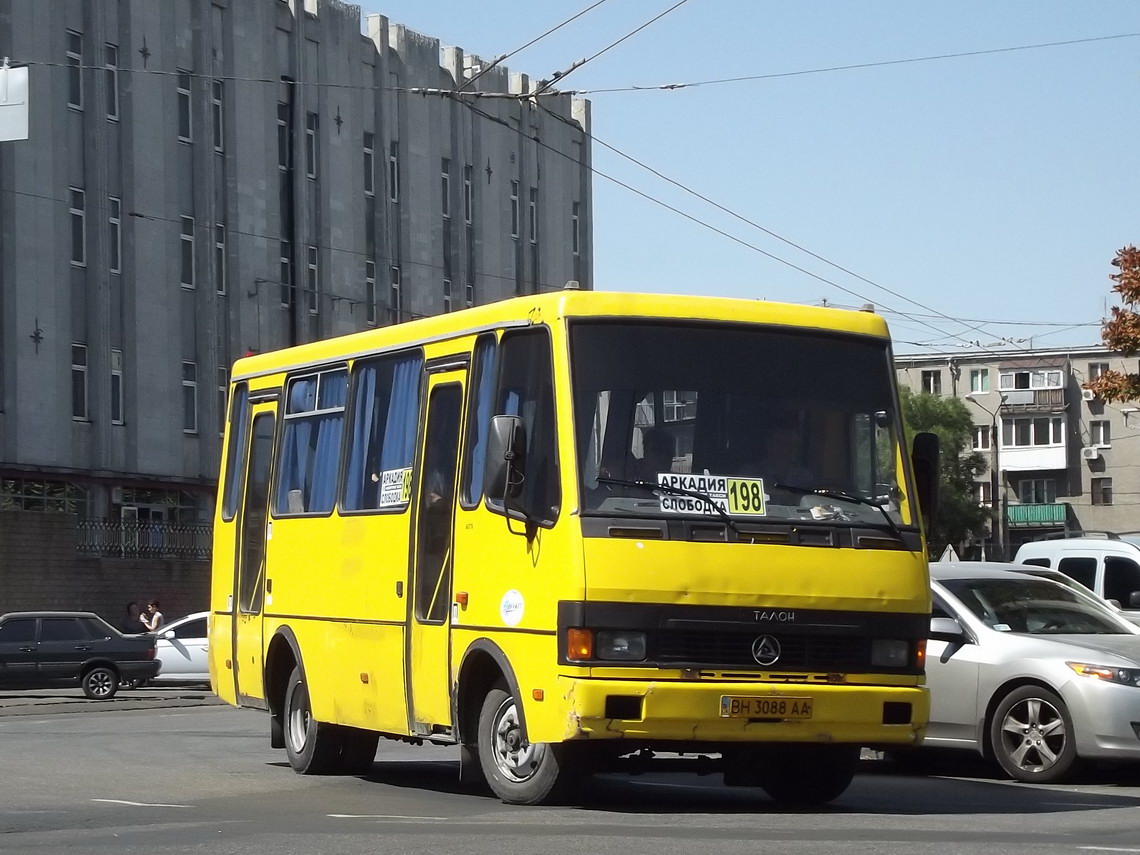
762,422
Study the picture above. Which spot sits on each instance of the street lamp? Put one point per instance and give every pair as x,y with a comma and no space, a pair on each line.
997,517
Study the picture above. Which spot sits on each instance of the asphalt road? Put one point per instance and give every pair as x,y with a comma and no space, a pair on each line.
202,779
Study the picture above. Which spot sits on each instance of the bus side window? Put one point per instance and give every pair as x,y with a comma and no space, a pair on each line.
526,388
235,454
385,425
478,420
310,445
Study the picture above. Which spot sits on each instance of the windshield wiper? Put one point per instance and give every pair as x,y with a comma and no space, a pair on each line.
844,497
676,491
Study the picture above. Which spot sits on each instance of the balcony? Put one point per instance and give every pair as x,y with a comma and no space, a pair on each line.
1054,515
141,539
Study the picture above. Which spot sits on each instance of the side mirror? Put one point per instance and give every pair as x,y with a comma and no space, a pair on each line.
1134,600
506,459
947,629
1114,603
168,634
925,459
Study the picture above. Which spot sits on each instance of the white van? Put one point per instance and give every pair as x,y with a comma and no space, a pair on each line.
1107,563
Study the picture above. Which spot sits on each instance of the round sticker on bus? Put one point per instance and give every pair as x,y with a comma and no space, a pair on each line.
511,608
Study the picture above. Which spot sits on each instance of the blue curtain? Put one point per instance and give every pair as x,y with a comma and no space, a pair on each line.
484,401
358,479
326,460
294,463
402,424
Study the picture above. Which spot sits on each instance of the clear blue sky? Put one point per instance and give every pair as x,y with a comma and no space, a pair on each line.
992,187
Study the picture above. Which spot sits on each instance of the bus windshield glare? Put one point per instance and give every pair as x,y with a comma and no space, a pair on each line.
766,423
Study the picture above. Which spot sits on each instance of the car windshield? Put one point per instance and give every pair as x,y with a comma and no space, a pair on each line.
1035,606
767,422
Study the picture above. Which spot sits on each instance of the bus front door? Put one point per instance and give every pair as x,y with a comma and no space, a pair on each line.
429,649
249,580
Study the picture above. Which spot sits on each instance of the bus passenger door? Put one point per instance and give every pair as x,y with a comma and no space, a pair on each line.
249,578
429,648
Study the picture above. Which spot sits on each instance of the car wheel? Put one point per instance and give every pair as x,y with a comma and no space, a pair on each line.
1032,736
518,771
808,775
313,748
100,683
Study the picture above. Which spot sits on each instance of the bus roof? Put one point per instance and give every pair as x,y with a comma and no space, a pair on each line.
552,306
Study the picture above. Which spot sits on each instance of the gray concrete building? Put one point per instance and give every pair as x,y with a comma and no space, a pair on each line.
1064,459
205,178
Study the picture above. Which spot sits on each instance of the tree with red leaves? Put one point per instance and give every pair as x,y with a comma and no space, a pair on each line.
1121,332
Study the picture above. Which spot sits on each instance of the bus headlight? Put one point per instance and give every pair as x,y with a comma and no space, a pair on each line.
620,645
890,653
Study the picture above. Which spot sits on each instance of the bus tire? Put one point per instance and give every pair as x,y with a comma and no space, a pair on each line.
314,748
518,771
809,775
358,750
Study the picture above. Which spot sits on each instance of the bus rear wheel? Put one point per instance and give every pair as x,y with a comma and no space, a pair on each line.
518,771
313,748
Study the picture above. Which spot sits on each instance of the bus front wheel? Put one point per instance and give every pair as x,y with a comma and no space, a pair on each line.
808,775
313,748
518,771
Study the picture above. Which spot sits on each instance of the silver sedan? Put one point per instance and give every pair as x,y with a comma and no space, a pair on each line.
1031,673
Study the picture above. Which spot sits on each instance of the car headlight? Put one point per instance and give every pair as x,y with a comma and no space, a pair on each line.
621,645
890,653
1126,676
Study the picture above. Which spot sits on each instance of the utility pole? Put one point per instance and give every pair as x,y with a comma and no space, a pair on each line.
997,506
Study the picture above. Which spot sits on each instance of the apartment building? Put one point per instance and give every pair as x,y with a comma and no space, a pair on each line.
206,178
1064,459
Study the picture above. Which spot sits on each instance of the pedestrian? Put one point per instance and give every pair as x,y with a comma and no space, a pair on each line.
133,623
152,620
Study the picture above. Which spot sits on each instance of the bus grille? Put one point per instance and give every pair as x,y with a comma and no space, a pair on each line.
797,652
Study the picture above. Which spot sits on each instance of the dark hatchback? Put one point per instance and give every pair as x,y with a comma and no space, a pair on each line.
40,650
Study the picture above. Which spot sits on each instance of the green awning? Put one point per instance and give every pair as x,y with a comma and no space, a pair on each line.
1056,514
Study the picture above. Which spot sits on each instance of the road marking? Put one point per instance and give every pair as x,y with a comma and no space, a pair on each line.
137,804
382,816
1106,849
1084,805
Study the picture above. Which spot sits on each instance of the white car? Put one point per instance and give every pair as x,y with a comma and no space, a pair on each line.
181,649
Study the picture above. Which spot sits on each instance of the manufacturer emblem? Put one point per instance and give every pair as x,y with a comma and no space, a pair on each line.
766,650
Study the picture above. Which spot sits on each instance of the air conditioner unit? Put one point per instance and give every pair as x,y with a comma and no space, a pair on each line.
1090,452
1088,394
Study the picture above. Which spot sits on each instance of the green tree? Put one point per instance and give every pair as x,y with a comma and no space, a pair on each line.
1121,332
960,519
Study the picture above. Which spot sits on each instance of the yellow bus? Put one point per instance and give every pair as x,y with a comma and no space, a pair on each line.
576,532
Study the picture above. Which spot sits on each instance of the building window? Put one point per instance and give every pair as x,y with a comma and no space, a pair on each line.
283,147
1032,431
223,386
1037,491
394,171
116,386
981,437
1099,434
533,210
184,127
27,494
312,281
187,246
1097,369
395,300
980,380
983,493
216,107
678,406
369,164
286,273
468,190
220,257
370,291
311,123
575,234
79,381
1014,380
1102,491
78,227
932,382
111,62
115,220
74,70
189,397
446,295
470,293
514,209
445,187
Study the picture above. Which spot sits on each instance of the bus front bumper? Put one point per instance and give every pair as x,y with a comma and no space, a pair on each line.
743,712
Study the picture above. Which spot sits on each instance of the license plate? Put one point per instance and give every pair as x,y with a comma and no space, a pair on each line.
735,706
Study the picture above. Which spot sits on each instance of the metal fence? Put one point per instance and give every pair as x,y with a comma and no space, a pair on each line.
141,539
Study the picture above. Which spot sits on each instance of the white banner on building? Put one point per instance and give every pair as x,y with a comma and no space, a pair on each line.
13,104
